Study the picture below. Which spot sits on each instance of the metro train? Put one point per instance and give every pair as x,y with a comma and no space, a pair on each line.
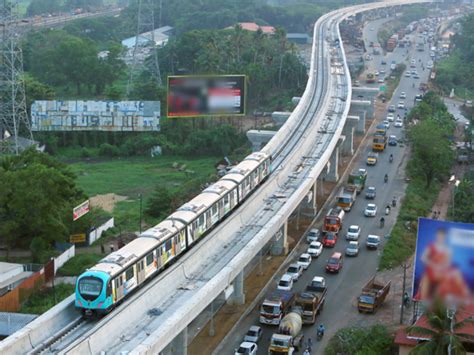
102,287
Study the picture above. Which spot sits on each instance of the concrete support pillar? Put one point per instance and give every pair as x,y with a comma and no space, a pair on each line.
348,144
238,296
360,118
363,105
179,345
279,117
280,241
332,174
308,206
259,138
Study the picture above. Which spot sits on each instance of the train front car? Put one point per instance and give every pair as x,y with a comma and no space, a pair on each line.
93,293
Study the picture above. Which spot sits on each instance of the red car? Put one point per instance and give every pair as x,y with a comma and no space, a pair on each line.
334,263
329,239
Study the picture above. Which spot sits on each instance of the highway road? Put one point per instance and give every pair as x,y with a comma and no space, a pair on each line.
343,288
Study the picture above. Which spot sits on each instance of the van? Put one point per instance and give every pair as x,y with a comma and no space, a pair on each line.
334,263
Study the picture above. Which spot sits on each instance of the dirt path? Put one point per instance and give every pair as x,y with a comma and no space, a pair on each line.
107,201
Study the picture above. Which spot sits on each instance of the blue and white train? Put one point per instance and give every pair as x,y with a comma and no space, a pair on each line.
102,287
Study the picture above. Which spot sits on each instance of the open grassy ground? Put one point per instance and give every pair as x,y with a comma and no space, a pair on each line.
134,176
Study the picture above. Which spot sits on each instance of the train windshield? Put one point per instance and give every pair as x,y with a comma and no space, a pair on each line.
90,287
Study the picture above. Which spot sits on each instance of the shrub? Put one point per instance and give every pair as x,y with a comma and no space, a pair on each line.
85,153
376,340
79,263
108,150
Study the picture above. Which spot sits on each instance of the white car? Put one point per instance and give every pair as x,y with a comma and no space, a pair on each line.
295,271
386,124
401,104
377,73
382,71
305,260
370,210
403,95
398,123
390,117
313,235
381,80
254,334
407,74
247,348
315,249
372,241
353,232
285,283
352,248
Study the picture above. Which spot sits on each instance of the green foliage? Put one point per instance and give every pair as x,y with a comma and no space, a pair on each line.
35,90
439,332
43,300
375,340
36,200
39,7
463,201
159,203
108,150
79,263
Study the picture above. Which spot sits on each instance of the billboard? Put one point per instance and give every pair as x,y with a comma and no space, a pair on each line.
78,115
444,260
195,96
80,210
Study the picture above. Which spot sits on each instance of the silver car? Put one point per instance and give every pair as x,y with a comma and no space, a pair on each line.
352,248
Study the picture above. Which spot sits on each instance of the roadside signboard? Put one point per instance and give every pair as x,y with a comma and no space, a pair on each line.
444,260
80,210
77,238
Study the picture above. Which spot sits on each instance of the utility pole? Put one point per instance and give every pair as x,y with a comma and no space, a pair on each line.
405,266
145,25
140,228
13,115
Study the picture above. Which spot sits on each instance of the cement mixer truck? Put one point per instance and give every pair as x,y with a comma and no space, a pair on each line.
289,338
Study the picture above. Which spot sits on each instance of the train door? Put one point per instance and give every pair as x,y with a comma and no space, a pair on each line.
140,271
208,219
118,284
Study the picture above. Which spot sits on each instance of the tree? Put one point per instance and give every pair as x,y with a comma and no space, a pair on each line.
439,332
464,205
159,203
36,90
36,200
432,154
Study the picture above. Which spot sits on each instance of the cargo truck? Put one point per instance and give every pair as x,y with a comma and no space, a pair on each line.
289,338
333,219
275,306
311,304
358,178
346,197
373,295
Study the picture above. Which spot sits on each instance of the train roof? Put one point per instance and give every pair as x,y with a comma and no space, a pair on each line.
258,156
117,261
183,216
221,187
244,167
163,230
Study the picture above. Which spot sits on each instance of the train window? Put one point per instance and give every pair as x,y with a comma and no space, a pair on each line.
226,199
214,209
201,220
149,259
129,273
169,244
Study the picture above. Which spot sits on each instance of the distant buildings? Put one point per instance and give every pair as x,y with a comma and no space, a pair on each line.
161,36
253,27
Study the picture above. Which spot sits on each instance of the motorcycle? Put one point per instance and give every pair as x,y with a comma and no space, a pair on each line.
382,222
394,202
385,179
319,335
390,159
387,210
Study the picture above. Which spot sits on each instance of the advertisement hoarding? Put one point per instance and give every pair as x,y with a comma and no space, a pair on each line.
80,210
77,238
444,260
79,115
195,96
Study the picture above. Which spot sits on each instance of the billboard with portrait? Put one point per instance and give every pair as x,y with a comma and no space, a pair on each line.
195,96
87,115
444,260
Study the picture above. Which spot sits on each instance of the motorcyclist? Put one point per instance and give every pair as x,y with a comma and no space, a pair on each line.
387,210
406,299
321,330
390,158
394,201
385,178
306,352
382,222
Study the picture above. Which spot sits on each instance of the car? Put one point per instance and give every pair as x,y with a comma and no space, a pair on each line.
392,140
353,232
383,62
370,210
356,83
390,117
377,73
372,241
416,76
352,248
247,348
414,72
313,235
398,123
295,271
315,249
401,104
372,158
403,95
254,334
285,283
418,98
334,263
386,124
381,80
407,74
371,28
391,108
382,71
370,193
329,239
305,260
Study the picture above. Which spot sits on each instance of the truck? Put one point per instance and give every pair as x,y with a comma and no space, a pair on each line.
275,306
346,197
373,295
289,338
392,43
358,178
379,142
311,301
370,78
333,219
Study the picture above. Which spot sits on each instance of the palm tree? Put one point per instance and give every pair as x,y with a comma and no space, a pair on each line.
441,332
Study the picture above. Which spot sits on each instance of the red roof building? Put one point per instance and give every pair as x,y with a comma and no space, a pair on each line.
252,26
407,342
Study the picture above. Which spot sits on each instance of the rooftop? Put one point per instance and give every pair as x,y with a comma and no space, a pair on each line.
252,26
